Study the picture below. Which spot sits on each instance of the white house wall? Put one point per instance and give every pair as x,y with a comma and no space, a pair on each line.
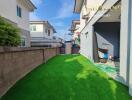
39,27
86,50
86,42
8,10
77,28
82,21
91,8
107,4
123,36
93,5
23,22
130,72
41,30
124,41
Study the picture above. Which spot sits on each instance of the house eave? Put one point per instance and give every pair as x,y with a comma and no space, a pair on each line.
54,31
44,22
74,23
78,6
31,6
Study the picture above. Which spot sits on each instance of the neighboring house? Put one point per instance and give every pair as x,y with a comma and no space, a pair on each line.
75,30
59,39
17,13
107,25
42,34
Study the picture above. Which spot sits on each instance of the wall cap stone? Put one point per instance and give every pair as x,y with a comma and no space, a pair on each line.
19,49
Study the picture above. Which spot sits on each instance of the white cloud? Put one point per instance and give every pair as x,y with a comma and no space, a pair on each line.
59,24
66,10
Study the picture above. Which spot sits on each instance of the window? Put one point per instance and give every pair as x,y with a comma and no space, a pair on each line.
33,28
45,30
48,32
19,11
23,42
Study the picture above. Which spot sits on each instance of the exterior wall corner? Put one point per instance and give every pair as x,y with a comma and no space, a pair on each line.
124,41
130,69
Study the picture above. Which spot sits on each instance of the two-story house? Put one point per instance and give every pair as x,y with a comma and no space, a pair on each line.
75,30
42,34
17,13
106,25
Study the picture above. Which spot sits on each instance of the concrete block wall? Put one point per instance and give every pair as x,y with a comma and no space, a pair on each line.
15,63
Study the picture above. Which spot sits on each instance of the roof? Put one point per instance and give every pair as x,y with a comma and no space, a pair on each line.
68,41
38,22
44,22
74,23
78,6
29,4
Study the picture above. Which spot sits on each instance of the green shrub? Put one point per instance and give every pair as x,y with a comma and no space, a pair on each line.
9,34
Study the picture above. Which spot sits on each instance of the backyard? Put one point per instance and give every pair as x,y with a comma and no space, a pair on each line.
67,77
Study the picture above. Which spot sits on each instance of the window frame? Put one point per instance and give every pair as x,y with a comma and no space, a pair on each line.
23,42
49,33
33,28
19,11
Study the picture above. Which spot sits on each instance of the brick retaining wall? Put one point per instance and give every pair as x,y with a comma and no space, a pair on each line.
15,63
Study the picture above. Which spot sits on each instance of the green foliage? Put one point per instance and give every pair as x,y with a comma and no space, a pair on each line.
9,34
78,39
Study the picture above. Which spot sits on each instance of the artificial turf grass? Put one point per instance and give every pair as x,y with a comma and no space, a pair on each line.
67,77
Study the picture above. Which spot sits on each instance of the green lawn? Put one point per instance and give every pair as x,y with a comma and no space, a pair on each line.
67,77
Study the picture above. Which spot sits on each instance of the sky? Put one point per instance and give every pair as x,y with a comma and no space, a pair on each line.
58,12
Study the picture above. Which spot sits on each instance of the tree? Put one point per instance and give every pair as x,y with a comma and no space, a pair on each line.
9,34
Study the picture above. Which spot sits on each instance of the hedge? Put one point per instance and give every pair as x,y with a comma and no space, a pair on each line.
9,34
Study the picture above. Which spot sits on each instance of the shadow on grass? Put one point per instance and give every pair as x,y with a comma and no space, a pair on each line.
67,77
